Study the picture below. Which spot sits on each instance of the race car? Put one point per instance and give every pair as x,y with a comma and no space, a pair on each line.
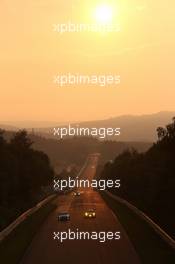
76,193
63,216
90,213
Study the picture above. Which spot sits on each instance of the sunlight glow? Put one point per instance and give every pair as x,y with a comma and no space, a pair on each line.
104,13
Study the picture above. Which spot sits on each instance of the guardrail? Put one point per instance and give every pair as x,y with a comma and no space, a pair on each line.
82,169
169,240
5,232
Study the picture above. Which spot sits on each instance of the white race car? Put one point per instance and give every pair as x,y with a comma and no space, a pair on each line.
63,216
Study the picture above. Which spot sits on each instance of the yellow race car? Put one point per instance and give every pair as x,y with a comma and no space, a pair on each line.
76,193
90,213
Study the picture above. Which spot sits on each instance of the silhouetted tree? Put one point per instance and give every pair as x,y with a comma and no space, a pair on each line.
148,180
23,171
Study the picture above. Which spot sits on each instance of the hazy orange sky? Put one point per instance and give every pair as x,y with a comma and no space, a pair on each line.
143,53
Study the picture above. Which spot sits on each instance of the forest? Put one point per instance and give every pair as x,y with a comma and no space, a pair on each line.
23,173
148,179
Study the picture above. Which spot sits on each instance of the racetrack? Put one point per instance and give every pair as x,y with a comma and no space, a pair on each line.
44,249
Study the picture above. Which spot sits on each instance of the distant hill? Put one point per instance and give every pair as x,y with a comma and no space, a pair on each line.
8,127
134,128
140,128
75,150
11,125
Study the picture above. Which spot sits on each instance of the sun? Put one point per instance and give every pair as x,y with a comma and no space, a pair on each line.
104,13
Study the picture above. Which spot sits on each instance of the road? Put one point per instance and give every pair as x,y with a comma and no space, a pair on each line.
44,249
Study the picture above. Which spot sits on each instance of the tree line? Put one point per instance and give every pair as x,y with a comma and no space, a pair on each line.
148,179
23,173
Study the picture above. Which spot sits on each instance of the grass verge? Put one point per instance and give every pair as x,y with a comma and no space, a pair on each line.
148,244
13,247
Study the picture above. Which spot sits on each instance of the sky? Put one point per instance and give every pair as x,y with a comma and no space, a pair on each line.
31,53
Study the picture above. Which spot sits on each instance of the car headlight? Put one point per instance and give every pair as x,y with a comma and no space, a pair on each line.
86,214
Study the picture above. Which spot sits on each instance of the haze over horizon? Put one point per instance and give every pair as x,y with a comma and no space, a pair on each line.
87,131
136,128
45,123
31,54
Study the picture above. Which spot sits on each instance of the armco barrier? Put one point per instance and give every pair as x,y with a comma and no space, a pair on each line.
82,169
157,229
4,233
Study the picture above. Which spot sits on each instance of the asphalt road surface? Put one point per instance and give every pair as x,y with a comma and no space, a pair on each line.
45,250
